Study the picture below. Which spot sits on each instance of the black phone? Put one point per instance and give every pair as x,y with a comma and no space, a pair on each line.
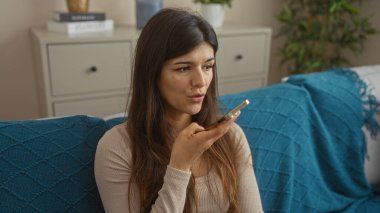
229,115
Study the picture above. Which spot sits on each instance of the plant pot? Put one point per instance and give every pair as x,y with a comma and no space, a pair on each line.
213,13
77,6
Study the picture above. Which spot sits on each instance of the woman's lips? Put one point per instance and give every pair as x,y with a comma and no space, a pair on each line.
197,98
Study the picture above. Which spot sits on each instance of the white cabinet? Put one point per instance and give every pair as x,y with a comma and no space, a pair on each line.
87,68
243,58
90,73
84,74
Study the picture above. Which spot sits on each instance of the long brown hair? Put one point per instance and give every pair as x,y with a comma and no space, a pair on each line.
169,34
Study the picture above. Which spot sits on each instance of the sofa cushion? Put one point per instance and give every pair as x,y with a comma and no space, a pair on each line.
115,121
47,165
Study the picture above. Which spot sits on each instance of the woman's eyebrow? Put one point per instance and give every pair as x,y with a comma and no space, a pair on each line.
183,62
190,62
210,59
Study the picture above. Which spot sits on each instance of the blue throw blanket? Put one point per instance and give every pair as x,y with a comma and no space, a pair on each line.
307,142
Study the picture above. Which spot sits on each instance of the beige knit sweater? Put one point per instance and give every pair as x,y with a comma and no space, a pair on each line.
112,173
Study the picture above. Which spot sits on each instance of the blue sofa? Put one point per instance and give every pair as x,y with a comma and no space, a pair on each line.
305,135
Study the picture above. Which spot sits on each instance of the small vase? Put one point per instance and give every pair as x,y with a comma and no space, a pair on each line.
213,13
78,6
145,9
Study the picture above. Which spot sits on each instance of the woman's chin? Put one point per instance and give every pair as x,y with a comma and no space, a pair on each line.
195,110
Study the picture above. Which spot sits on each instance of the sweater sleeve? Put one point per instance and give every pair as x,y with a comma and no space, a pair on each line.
113,163
248,192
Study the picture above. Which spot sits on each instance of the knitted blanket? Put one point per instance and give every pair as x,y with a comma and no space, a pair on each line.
307,142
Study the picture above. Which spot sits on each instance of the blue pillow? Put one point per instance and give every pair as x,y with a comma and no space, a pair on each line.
115,121
47,165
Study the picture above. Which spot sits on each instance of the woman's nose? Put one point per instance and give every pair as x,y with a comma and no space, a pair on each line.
198,78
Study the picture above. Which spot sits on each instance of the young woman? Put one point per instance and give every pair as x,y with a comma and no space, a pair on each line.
163,159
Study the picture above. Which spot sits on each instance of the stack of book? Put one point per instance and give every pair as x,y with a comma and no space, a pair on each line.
76,23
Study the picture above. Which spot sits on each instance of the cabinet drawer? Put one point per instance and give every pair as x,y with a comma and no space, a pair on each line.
242,55
230,87
100,107
89,67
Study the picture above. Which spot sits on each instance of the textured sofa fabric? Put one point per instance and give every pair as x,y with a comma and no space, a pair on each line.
47,165
308,145
305,136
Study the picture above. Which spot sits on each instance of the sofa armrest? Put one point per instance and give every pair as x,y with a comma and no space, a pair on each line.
371,75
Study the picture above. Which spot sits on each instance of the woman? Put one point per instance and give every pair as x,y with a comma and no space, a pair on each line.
162,159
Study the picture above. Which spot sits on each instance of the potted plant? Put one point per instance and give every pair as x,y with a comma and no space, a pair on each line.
213,10
318,33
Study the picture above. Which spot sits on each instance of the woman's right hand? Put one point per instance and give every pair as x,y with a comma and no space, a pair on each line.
191,142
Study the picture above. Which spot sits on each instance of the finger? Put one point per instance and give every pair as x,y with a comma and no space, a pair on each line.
235,116
215,133
230,121
212,135
224,127
193,128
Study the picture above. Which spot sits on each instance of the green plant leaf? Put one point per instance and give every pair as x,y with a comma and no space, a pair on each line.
333,8
317,33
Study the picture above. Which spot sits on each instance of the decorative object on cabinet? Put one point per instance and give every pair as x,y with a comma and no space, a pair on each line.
317,33
213,13
78,6
90,74
79,22
213,10
79,27
222,2
145,9
74,17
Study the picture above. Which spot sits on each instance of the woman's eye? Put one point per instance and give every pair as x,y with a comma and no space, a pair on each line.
208,67
182,69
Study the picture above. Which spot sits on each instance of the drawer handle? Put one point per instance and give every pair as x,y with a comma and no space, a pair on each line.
93,69
239,57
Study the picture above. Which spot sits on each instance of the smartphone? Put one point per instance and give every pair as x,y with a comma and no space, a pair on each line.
229,115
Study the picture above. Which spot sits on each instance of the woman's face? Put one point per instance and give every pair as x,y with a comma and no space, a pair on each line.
184,80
